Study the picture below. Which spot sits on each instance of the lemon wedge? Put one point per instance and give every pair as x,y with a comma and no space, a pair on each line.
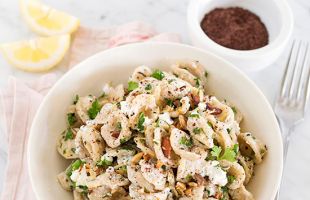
37,55
47,21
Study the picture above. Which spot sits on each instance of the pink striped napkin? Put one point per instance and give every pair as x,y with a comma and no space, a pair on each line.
20,100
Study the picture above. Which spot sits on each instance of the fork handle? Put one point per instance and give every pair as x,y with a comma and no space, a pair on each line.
286,134
286,142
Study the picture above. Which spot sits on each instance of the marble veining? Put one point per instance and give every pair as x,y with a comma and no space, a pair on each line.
168,16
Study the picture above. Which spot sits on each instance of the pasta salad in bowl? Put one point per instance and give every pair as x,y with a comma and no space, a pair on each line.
155,121
161,137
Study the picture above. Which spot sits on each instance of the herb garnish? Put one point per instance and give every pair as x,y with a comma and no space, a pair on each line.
132,85
188,177
158,74
148,87
74,166
197,130
210,124
123,140
197,82
231,179
118,126
141,121
84,189
194,115
94,110
234,110
186,142
228,154
71,118
69,134
169,102
104,163
76,99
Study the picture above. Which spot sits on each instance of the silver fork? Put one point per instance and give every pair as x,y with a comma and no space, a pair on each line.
291,104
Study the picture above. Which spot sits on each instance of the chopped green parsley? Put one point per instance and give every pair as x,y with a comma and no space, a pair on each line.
188,177
186,142
69,134
123,140
169,102
231,179
104,163
158,74
229,153
118,126
197,82
234,110
94,110
194,115
132,85
76,99
210,124
141,121
74,166
71,118
197,130
148,87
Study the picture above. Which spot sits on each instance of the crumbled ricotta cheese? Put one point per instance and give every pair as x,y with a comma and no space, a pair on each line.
106,88
166,118
216,174
202,106
147,121
125,108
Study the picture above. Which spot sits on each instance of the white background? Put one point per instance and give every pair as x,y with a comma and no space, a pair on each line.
168,16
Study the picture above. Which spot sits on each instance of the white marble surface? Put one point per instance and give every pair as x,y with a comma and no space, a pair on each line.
168,16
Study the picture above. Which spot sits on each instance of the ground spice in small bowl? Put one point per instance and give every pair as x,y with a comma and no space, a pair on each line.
235,28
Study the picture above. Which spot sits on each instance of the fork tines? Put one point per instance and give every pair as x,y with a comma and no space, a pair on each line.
295,83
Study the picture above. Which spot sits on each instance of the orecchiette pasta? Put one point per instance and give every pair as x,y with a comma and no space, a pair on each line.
160,138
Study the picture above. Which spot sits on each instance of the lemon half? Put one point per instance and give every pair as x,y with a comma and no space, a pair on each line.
37,55
47,21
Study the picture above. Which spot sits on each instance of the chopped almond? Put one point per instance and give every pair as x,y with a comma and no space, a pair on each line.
188,192
200,179
196,99
182,121
136,158
166,146
192,184
115,134
215,111
180,188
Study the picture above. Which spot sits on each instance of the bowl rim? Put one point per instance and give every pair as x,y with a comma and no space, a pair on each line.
133,45
282,37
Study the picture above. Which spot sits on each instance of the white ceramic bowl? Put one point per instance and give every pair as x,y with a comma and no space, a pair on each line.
224,81
275,14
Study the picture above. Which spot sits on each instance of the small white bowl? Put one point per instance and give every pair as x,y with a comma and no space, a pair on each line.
275,14
224,80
